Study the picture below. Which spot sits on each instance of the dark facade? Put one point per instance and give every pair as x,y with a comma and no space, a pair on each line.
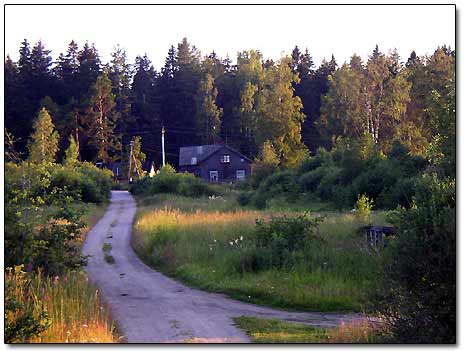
214,163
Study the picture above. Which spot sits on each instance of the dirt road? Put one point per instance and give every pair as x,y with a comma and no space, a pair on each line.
152,308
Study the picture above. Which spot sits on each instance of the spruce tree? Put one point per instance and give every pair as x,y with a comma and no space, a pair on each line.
101,121
44,140
71,153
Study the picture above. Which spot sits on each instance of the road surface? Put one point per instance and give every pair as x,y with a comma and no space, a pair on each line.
149,307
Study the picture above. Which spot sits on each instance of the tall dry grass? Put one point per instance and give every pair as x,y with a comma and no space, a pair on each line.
75,311
206,248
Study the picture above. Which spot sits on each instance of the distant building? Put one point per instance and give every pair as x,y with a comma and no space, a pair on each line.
214,163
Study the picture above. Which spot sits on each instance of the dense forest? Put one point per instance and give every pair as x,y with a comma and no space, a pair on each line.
289,107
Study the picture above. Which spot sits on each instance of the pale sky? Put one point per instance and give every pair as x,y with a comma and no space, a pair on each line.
274,30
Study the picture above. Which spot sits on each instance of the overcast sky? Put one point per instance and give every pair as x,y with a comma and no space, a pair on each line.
324,30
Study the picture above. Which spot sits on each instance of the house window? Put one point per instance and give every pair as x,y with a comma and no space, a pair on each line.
225,159
193,161
213,176
240,174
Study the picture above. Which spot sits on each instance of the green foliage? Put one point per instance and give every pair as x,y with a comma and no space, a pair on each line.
169,182
281,183
364,207
208,118
278,239
71,153
44,143
417,294
101,119
25,315
84,181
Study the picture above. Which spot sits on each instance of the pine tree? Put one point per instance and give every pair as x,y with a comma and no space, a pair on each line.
71,153
44,144
101,120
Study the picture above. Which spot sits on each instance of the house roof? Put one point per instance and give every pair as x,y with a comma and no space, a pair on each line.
200,153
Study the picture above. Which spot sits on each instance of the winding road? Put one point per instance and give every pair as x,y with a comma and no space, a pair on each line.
152,308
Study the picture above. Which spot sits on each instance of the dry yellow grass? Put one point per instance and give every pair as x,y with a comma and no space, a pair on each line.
73,305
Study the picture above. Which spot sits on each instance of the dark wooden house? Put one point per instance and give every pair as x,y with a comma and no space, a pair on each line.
214,163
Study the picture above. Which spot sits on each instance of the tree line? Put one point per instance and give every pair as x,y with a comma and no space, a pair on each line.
289,107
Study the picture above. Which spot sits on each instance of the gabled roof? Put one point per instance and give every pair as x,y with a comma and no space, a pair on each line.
200,153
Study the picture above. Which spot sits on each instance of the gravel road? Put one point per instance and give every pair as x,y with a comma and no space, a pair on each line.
152,308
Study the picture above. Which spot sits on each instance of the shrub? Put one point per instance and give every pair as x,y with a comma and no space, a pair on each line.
310,163
328,181
417,294
364,207
170,182
244,198
310,181
283,236
25,315
86,182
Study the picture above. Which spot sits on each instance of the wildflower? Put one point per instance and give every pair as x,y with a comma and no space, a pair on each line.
241,237
214,240
231,243
236,241
249,296
56,279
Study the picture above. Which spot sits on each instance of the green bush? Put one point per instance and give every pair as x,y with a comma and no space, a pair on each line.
25,315
310,163
364,207
244,198
170,182
417,292
283,236
85,181
282,183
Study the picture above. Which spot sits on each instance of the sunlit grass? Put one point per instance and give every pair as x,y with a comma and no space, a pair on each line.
73,305
203,247
274,331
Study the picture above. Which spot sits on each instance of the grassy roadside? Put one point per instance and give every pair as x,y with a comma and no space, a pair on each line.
274,331
206,242
74,311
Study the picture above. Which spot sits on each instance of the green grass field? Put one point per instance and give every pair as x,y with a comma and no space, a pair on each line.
274,331
203,242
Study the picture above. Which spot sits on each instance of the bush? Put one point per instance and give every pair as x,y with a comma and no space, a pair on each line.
282,183
25,314
310,163
417,294
363,207
85,182
283,236
244,198
170,182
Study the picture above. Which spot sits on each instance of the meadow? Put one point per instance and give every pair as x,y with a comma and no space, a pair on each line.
211,243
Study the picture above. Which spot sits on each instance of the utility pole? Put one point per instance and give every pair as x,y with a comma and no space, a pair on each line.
162,146
130,162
